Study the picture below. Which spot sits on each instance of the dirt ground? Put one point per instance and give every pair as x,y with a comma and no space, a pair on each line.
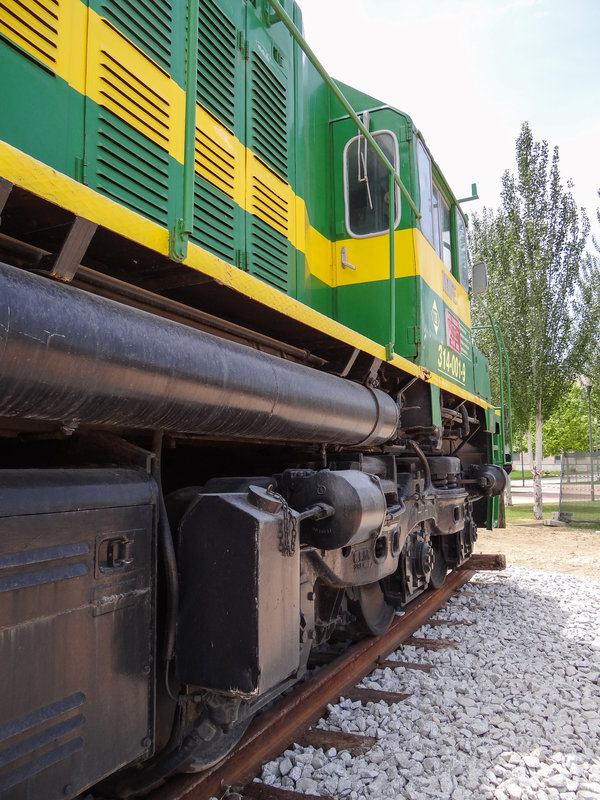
534,545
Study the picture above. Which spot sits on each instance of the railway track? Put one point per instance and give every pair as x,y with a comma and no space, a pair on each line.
289,719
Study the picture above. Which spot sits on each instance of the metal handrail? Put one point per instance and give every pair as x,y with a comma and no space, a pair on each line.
297,36
502,356
282,15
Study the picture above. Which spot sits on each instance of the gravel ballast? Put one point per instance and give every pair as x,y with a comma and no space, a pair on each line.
512,712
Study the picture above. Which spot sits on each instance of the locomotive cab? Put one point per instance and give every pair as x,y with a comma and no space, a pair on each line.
419,307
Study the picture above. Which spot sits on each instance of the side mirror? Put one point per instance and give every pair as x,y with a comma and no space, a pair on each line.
479,279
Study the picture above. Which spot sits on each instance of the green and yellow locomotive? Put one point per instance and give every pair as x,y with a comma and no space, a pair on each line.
240,404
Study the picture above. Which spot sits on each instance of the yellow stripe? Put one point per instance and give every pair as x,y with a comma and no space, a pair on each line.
317,249
414,256
270,198
42,180
52,31
431,268
371,257
220,156
123,79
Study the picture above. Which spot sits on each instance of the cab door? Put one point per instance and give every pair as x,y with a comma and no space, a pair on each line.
361,229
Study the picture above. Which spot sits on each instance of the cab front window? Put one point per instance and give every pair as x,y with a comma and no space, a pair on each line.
366,185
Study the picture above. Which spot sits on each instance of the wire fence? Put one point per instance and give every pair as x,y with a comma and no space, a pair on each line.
580,487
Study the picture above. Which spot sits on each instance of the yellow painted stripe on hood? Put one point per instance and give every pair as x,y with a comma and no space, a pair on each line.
46,182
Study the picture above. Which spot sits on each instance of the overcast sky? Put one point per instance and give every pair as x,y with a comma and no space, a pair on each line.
469,72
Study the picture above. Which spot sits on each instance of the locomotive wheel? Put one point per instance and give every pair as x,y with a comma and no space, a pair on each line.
439,569
374,615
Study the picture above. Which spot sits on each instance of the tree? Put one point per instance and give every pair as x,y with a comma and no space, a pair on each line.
592,365
541,287
567,428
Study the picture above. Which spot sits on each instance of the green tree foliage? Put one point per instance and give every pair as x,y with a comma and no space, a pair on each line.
567,428
542,285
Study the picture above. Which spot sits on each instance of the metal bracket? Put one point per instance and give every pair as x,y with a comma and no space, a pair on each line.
270,17
350,363
345,263
64,264
372,380
5,190
178,241
474,195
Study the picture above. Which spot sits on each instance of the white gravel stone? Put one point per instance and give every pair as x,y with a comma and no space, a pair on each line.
285,766
513,713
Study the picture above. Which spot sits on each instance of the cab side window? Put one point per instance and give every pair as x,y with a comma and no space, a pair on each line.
436,219
366,186
463,258
441,228
425,190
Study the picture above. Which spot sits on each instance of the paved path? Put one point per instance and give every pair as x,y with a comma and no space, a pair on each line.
523,495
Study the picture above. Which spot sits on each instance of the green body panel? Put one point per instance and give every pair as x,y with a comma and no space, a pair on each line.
364,307
219,223
436,405
316,175
270,95
439,347
130,168
221,82
481,373
360,101
34,99
315,293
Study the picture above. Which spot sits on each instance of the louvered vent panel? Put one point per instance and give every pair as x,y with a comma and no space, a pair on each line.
133,100
270,206
148,23
132,169
214,221
216,64
215,163
33,24
270,255
269,117
58,726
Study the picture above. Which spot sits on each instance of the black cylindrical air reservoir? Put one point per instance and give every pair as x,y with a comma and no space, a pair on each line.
72,357
359,504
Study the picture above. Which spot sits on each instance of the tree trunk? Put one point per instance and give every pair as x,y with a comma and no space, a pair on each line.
508,492
538,511
530,448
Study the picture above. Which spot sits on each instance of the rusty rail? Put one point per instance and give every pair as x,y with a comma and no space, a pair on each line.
284,723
